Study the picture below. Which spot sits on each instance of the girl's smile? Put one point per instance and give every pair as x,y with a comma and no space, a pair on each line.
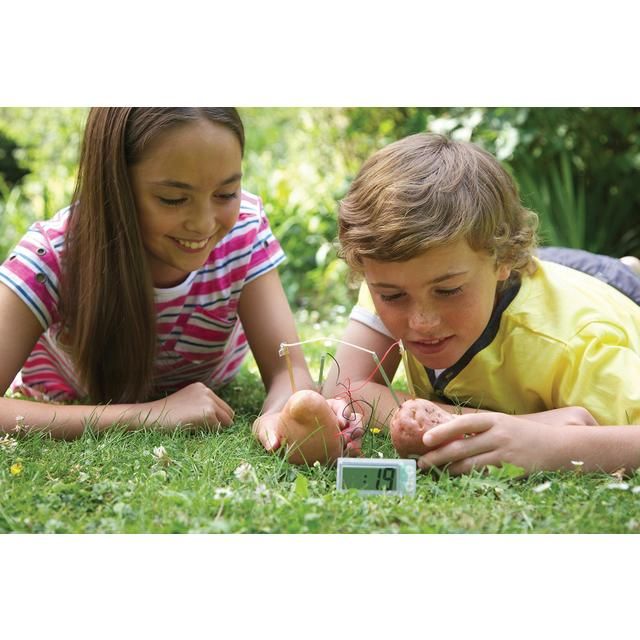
192,246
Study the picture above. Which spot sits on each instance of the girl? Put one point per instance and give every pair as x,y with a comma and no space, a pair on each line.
147,292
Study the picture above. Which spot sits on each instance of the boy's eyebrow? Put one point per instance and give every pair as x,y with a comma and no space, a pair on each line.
185,185
437,280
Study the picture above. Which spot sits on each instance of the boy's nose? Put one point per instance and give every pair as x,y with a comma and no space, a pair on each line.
423,320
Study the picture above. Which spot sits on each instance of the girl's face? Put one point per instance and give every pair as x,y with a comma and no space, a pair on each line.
187,194
438,303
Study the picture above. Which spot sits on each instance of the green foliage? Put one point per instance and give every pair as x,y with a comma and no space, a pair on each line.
577,167
48,144
301,175
10,170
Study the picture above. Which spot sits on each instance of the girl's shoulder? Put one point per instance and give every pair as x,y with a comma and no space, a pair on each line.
44,241
250,203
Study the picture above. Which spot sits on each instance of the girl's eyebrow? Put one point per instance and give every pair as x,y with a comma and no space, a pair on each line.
437,280
185,185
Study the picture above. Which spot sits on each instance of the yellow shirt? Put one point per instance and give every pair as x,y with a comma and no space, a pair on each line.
563,339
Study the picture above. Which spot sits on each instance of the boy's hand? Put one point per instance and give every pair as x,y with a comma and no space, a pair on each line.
410,422
350,423
477,440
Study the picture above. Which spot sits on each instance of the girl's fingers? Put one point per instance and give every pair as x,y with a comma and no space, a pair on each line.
223,412
224,415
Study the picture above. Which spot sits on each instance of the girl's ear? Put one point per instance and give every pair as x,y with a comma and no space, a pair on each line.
503,272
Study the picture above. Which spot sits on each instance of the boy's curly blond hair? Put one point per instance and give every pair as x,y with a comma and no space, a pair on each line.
427,190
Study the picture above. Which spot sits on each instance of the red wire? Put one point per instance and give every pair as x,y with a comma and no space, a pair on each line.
347,394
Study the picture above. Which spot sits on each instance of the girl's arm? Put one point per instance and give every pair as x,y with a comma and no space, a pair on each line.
267,321
193,406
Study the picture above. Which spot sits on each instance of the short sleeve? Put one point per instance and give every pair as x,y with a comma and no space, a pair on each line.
32,271
365,312
602,374
266,253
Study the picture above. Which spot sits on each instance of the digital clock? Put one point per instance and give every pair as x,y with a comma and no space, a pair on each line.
377,475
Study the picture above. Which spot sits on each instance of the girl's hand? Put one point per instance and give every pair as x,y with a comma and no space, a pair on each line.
193,407
270,428
477,440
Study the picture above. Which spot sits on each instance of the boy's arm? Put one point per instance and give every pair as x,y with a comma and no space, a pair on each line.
356,367
491,438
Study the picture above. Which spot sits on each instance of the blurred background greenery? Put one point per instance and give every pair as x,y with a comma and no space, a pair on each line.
578,168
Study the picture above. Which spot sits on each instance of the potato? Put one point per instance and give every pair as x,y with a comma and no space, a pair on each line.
410,422
310,430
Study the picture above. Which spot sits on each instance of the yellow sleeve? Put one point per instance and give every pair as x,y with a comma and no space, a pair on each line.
602,374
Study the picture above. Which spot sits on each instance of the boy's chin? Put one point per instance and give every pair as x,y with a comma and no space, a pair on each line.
436,363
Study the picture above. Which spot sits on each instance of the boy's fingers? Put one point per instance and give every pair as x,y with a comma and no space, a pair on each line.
457,427
456,450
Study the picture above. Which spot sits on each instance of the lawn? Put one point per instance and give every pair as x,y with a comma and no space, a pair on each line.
149,482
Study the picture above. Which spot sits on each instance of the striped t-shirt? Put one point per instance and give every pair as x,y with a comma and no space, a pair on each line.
200,338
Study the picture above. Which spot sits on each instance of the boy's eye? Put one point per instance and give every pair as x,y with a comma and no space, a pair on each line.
172,202
449,292
391,298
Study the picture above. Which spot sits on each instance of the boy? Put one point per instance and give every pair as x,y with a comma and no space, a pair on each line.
446,249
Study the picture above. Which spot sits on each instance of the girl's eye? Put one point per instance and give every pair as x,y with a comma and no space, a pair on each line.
449,292
391,298
228,196
171,202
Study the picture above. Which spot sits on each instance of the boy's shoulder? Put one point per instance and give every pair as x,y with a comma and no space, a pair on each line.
560,302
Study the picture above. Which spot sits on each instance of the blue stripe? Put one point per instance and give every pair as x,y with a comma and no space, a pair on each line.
239,226
213,323
206,305
27,258
255,274
29,371
228,262
27,299
203,344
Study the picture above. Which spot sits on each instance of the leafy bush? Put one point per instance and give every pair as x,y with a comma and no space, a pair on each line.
577,167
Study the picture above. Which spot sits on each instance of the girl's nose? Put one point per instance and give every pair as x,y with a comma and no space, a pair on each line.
202,220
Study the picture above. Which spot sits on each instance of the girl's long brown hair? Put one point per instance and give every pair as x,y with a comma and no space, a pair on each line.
106,296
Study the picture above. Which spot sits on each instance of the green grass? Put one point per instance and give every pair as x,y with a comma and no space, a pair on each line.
115,484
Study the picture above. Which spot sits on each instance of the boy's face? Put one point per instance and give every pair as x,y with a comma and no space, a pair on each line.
438,303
